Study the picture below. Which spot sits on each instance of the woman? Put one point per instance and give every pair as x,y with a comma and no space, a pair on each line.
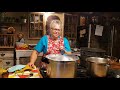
52,43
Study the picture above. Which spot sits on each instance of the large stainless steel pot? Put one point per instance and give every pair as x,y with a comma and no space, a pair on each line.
90,52
97,67
62,66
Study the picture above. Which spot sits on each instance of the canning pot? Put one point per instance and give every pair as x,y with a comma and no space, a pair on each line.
97,66
62,66
86,52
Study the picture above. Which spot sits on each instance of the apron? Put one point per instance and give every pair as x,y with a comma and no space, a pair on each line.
54,47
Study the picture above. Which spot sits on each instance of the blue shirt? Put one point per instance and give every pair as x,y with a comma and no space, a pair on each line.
42,45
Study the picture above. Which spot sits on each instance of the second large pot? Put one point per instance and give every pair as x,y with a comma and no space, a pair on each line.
97,67
62,66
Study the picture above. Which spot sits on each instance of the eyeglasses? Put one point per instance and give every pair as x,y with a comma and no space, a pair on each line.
56,29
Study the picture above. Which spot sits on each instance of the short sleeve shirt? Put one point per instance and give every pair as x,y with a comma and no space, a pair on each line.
42,45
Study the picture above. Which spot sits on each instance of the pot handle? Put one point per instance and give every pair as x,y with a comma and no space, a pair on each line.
44,59
107,57
107,65
62,52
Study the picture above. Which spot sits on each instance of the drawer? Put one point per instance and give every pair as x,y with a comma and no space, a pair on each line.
6,54
23,53
8,62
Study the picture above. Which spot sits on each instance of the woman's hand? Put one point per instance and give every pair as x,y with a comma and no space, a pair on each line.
31,64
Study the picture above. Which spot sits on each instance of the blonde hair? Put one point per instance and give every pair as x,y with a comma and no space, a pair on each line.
54,22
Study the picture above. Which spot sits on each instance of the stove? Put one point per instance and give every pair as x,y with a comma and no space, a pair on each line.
82,72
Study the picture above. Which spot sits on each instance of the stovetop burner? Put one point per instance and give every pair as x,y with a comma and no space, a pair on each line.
82,72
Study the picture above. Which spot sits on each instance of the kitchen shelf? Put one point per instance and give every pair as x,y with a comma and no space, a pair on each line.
6,47
7,40
36,30
7,34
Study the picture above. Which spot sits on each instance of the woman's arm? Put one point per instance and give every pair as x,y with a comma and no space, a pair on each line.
37,49
67,46
66,52
33,58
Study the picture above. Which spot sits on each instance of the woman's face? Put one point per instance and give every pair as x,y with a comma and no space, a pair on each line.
56,31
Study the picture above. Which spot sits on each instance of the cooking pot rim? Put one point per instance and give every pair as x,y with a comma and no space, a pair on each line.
59,57
93,59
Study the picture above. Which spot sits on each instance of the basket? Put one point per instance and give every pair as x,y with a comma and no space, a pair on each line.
19,44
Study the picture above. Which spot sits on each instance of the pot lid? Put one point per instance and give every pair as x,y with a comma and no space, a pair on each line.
59,57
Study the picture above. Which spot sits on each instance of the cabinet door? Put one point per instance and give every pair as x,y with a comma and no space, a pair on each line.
70,28
36,27
115,43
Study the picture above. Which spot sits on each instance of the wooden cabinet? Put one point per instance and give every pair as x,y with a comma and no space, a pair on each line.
36,26
70,28
7,32
7,36
7,58
7,40
38,23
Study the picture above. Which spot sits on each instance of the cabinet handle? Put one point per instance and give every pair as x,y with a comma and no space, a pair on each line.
7,63
2,54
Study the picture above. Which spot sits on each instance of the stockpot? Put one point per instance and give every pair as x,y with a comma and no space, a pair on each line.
97,66
61,66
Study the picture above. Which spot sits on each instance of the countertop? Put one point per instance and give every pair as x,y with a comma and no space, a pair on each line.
5,75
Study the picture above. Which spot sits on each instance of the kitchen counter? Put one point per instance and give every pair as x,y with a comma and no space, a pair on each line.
23,53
